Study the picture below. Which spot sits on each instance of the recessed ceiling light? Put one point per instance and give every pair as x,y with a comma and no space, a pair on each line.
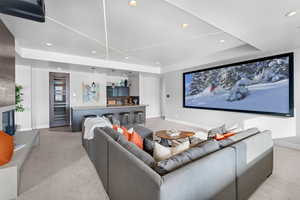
126,57
93,52
184,25
58,69
291,13
222,41
132,3
48,44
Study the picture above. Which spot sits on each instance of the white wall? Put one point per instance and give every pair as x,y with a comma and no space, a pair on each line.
76,80
134,82
23,77
40,98
297,89
115,79
173,109
150,94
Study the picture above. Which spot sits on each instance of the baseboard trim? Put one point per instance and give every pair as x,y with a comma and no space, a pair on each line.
42,126
203,127
24,129
286,144
153,116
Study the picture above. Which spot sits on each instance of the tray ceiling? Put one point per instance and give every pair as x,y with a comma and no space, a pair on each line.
151,33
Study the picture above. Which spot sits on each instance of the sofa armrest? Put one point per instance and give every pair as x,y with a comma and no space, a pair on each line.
254,163
130,178
9,183
211,177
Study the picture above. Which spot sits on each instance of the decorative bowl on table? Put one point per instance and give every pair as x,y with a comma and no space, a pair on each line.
173,132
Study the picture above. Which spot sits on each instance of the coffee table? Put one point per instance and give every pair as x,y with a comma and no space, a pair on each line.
163,134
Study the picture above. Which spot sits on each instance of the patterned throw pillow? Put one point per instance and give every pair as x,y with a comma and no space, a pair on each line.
219,130
130,135
123,131
161,152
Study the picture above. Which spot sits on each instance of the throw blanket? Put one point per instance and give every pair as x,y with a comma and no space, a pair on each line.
91,123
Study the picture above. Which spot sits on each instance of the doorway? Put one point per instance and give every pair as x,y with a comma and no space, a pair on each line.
59,94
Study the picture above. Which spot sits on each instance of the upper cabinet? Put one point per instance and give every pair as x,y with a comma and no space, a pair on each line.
117,91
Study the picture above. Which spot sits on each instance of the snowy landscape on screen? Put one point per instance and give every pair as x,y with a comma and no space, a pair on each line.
259,86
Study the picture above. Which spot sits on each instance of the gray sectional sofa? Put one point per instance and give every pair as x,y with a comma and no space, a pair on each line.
231,171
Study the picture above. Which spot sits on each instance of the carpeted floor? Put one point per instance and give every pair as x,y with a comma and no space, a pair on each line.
59,169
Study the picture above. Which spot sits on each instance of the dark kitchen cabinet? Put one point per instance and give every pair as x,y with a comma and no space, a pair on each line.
117,91
123,91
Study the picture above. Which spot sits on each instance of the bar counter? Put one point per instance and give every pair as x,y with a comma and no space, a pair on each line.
78,113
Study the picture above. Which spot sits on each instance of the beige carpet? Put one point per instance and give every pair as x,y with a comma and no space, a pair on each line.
59,169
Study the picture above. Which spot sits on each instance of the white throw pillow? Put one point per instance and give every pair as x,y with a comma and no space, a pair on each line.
108,123
201,135
161,152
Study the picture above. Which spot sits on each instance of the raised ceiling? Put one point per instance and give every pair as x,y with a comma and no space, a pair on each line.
151,34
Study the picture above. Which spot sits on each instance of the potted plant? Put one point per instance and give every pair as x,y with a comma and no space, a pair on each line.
19,100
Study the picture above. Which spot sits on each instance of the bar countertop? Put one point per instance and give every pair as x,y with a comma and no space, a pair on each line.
107,106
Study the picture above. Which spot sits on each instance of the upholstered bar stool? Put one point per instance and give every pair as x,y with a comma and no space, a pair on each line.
109,116
125,118
139,117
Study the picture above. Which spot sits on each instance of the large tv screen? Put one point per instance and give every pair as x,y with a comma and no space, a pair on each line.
256,86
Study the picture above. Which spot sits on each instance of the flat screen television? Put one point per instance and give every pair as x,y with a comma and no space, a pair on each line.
264,86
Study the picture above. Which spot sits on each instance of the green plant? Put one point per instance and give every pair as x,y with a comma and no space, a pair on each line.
19,99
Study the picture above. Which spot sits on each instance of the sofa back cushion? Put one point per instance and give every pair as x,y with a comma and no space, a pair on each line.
135,150
115,135
143,131
238,137
194,153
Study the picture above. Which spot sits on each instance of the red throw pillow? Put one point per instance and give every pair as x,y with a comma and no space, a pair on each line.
219,137
229,134
6,148
136,139
224,136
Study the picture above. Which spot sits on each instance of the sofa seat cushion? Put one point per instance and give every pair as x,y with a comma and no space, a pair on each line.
135,150
194,153
238,137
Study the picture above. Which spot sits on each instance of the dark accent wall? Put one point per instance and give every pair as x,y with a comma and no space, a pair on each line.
7,67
